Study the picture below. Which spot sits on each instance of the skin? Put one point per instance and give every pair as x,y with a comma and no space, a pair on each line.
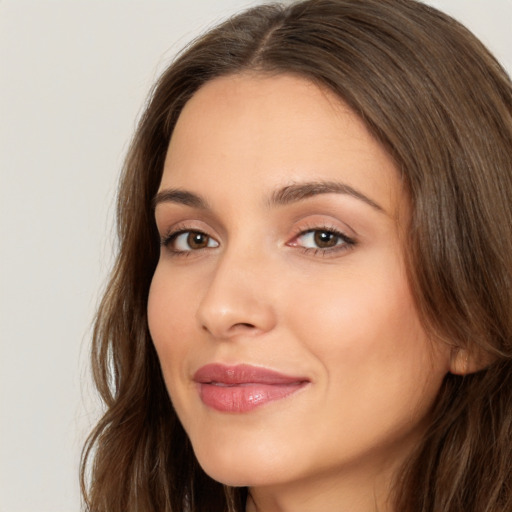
262,292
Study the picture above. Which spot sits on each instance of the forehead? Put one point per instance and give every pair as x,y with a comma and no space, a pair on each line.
263,132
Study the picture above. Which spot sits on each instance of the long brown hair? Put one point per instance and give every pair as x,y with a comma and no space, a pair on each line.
442,106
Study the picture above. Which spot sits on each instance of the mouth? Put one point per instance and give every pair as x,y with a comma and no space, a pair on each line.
242,388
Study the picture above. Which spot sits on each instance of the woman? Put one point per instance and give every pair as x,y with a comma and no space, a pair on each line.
311,306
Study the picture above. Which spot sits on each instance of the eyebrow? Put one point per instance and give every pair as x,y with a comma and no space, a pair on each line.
287,195
297,192
178,196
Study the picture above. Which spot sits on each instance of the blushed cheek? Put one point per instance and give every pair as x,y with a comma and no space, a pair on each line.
358,319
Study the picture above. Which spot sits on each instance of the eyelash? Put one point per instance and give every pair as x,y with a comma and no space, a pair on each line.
347,242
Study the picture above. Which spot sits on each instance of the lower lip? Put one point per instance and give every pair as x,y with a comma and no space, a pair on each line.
245,397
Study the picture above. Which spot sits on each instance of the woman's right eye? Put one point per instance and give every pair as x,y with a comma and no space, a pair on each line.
187,241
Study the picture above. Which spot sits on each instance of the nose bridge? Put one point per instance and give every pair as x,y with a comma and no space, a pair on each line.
237,297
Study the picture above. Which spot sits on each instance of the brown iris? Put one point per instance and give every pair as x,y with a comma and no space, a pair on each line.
197,240
325,239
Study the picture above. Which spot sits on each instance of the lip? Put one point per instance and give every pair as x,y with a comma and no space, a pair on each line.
242,388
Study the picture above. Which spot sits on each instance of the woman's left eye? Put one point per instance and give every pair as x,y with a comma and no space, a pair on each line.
322,240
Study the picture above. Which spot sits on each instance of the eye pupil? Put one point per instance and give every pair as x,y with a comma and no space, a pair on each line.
197,240
324,239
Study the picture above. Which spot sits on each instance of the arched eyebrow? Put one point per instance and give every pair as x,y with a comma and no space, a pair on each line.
179,196
286,195
300,191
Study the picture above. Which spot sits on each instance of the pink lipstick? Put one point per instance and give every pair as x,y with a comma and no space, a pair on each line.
242,388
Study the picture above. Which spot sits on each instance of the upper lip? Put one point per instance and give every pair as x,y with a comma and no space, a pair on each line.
242,374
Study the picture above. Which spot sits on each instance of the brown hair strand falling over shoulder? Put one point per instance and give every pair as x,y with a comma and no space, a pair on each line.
442,106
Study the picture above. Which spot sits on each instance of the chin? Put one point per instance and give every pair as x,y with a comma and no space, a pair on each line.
241,478
242,474
240,467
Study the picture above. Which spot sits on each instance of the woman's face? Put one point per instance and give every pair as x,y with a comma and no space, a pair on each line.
280,307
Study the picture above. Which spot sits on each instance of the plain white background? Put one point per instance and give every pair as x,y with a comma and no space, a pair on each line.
73,79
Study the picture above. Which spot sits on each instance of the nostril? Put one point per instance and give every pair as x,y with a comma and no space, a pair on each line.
243,327
234,327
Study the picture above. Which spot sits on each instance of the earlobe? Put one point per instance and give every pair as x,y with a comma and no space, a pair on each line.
464,362
460,361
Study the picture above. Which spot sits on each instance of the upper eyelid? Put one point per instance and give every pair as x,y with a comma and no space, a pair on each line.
326,224
336,231
178,231
169,224
170,228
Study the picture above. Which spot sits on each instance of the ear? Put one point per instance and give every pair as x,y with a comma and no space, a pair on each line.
464,362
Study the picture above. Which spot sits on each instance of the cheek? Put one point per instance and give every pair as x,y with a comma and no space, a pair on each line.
169,321
364,328
376,367
358,310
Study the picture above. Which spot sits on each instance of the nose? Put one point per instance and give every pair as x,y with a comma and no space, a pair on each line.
237,300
